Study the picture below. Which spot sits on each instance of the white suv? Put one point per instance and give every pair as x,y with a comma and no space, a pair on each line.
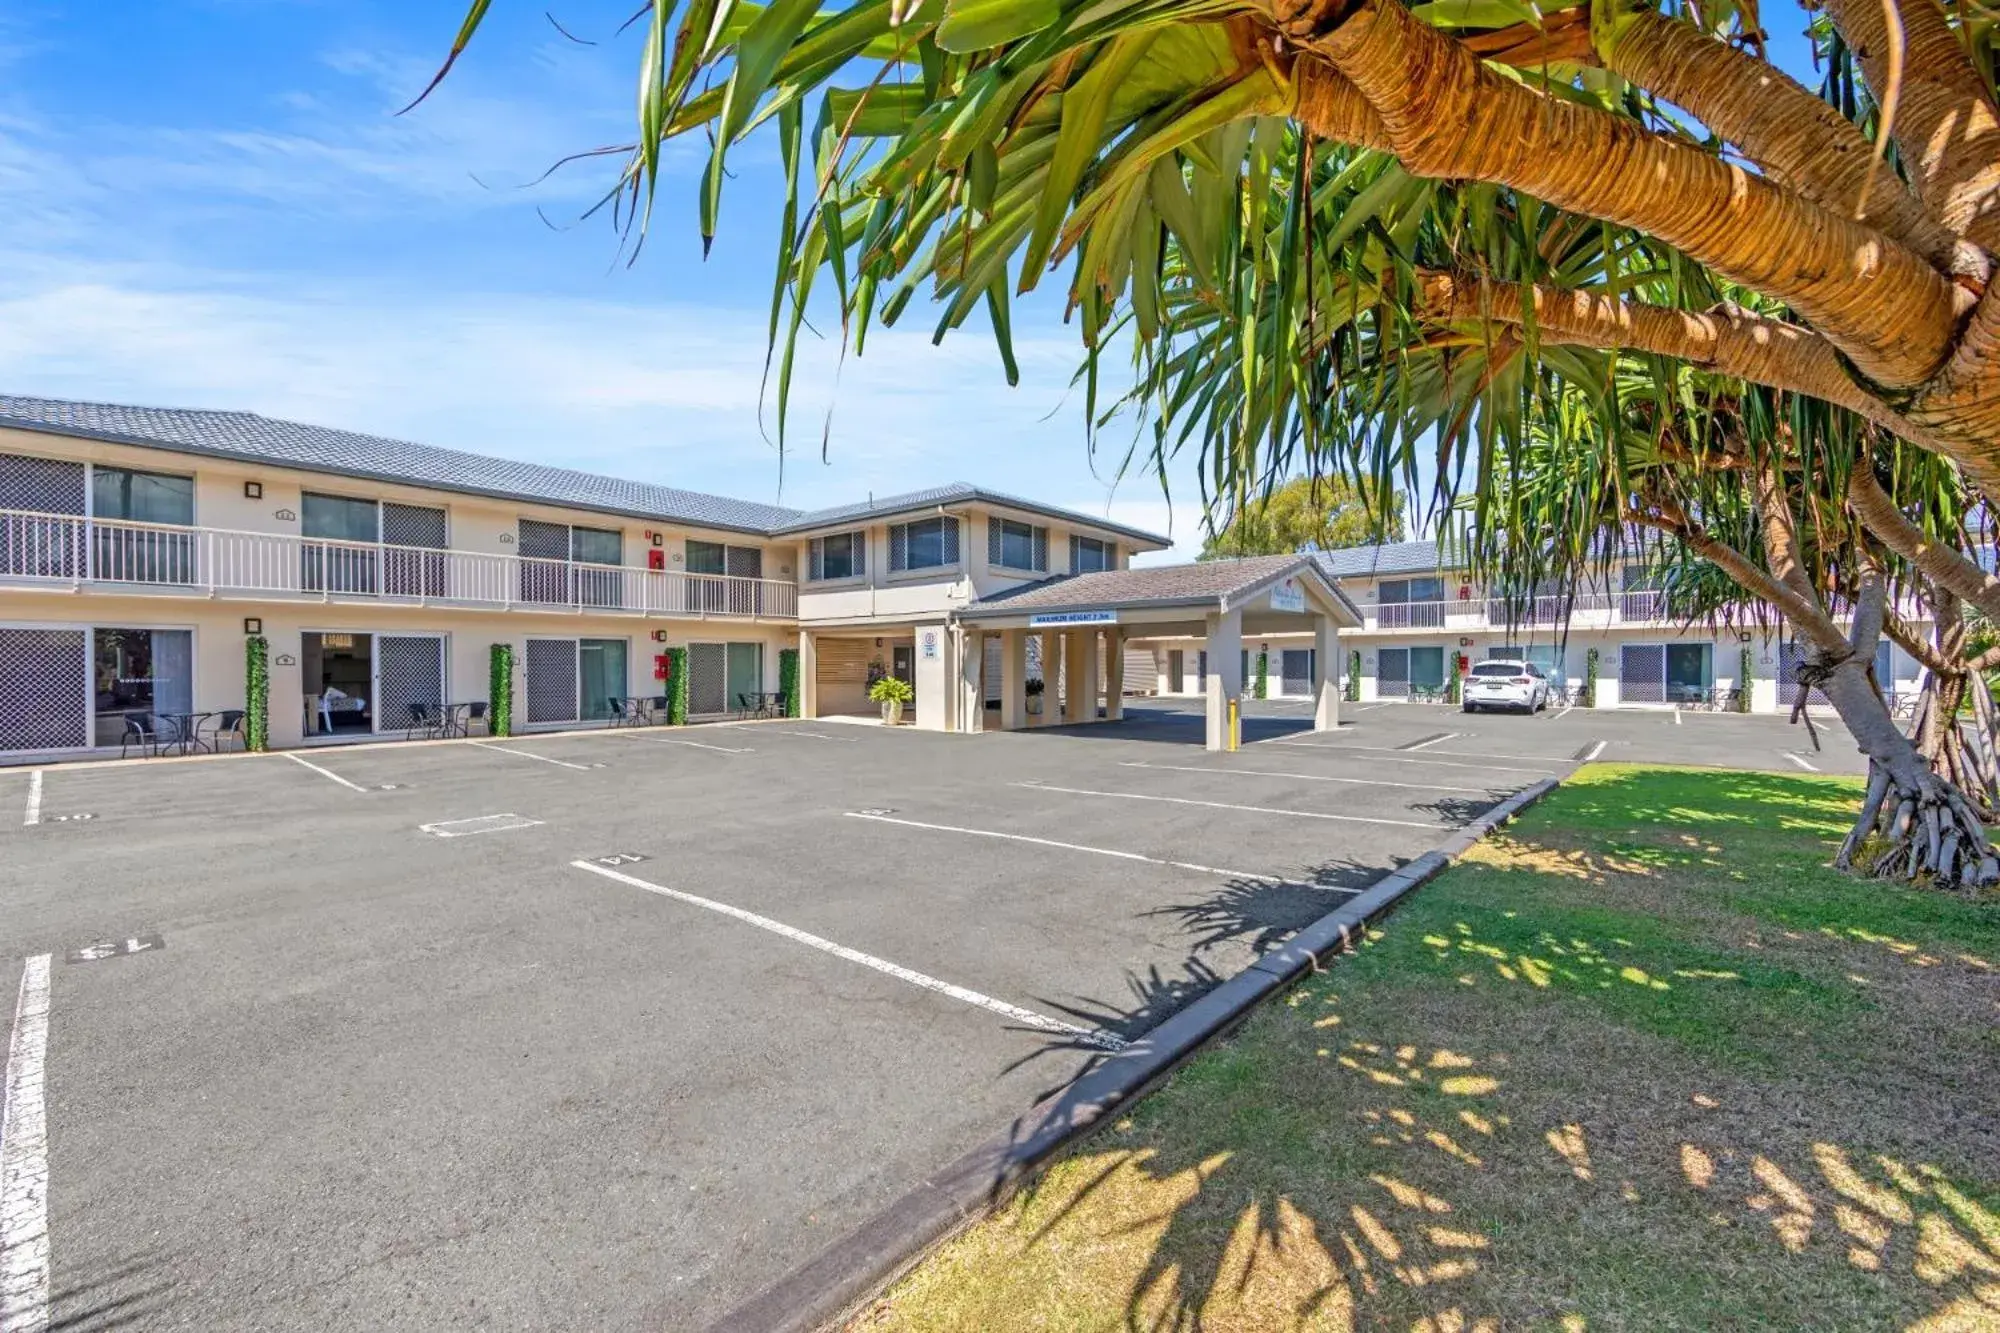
1501,683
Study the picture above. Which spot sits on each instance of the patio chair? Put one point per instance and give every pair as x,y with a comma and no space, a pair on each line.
656,709
426,719
228,723
476,712
143,730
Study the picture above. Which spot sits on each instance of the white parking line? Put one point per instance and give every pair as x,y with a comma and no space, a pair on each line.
1677,715
1398,757
1810,768
1102,1040
1595,751
466,828
24,1161
1095,851
815,735
1302,777
699,745
1224,805
335,777
34,813
1435,740
1565,713
529,754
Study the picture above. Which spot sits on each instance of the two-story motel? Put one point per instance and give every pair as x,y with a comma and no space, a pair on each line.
143,549
1420,610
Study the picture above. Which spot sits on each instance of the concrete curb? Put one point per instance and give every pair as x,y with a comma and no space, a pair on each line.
861,1264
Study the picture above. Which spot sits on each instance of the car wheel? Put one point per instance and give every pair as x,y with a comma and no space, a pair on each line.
1468,708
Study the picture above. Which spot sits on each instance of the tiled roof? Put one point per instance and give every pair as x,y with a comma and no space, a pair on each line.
958,492
1161,585
1423,557
249,437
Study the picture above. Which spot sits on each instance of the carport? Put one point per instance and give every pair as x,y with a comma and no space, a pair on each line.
1083,620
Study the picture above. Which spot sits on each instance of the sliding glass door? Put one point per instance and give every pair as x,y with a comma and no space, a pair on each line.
601,676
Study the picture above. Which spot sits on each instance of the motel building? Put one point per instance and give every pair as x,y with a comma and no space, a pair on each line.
144,551
1420,616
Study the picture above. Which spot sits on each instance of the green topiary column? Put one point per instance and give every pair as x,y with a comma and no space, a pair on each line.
1263,676
677,687
500,691
1354,676
1743,682
256,693
788,679
1590,679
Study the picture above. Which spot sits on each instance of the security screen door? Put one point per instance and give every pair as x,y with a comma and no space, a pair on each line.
552,676
409,674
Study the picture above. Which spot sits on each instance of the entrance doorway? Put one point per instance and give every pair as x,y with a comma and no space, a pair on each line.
903,666
338,675
359,684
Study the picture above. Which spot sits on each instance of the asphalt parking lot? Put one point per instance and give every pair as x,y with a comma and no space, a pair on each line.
614,1029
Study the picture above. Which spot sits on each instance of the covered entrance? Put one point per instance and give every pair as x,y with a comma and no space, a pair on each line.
1075,629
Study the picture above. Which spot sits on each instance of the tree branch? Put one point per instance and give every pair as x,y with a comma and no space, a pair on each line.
1799,140
1446,116
1938,563
1947,128
1805,613
1912,641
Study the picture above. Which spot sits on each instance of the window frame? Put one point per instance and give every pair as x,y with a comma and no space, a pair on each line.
1023,533
856,540
948,536
97,470
1107,554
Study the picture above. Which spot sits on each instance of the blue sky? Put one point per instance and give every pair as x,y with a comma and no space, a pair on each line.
210,203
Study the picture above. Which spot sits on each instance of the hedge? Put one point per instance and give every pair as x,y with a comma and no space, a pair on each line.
788,679
256,693
677,687
500,691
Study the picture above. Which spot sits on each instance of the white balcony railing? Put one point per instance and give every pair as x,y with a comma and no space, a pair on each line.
1585,609
206,562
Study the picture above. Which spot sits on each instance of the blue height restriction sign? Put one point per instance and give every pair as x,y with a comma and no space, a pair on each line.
1073,618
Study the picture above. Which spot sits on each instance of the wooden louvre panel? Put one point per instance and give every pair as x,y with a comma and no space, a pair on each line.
841,671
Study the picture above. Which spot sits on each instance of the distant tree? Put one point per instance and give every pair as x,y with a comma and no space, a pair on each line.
1322,512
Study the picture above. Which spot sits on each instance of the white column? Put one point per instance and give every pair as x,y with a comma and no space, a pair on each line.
933,675
1326,674
1083,676
1052,677
1225,674
808,675
971,680
1114,675
1013,679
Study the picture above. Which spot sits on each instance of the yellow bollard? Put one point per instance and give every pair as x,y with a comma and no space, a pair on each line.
1235,724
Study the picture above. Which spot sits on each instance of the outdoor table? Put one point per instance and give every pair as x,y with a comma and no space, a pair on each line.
187,732
457,720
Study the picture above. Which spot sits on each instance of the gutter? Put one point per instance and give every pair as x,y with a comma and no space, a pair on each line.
833,1286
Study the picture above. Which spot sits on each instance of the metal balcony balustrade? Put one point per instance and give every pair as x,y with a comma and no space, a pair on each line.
63,550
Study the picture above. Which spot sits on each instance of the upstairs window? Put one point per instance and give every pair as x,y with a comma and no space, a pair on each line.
930,543
1012,545
844,555
141,497
1088,555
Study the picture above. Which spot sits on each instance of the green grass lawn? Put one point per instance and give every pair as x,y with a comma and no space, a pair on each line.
1643,1063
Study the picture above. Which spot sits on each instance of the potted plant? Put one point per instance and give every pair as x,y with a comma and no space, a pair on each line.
1035,687
892,694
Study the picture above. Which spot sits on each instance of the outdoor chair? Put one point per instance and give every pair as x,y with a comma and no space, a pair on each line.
656,709
143,730
477,713
426,719
617,713
228,723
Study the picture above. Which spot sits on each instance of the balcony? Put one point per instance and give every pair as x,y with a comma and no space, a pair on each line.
59,551
1586,610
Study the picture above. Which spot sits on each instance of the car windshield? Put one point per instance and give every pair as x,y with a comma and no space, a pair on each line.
1497,669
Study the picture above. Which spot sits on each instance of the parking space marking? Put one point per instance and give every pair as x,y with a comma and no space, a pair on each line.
1589,752
1566,710
24,1160
34,812
815,735
1224,805
877,818
697,745
466,828
351,786
1810,768
1398,757
1428,741
1304,777
1677,715
529,754
1041,1022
